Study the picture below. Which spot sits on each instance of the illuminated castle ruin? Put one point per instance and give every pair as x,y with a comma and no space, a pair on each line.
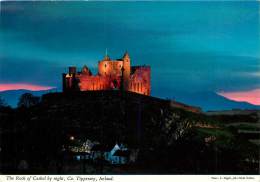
112,75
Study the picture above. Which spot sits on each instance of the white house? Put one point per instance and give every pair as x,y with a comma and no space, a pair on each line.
118,155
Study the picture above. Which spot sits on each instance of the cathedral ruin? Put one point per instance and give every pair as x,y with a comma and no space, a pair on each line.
112,75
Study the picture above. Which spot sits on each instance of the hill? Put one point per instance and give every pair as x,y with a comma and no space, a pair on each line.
162,132
207,101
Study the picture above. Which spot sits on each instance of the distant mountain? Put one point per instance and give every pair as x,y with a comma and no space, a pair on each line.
208,101
11,97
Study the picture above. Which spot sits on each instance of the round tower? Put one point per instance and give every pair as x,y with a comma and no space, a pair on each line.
127,69
104,66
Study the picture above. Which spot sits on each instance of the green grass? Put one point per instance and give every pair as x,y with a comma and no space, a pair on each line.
214,132
247,127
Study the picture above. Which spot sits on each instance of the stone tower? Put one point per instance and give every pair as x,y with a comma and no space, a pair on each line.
127,69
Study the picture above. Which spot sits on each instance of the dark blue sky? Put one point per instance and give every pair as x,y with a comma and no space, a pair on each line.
191,46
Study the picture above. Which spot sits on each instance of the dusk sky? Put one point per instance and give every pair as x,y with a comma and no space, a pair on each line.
190,46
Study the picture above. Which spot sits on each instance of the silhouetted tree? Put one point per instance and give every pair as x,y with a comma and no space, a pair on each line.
2,102
28,100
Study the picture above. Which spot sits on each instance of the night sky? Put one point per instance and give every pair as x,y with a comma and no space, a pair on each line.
190,46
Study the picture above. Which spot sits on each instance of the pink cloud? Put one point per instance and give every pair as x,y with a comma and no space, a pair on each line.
25,86
251,96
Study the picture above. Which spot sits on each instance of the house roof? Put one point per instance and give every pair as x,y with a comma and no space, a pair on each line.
122,153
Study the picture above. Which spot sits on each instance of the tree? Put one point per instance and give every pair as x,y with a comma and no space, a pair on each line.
28,100
2,102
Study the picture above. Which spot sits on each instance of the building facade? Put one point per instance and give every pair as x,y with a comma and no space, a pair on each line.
112,75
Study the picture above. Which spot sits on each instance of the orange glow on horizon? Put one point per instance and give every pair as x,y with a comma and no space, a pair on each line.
251,96
24,86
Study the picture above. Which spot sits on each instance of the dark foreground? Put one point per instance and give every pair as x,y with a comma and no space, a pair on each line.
47,137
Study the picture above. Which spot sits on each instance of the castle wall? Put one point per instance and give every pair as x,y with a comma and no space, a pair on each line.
93,82
140,80
69,82
98,82
110,68
185,107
